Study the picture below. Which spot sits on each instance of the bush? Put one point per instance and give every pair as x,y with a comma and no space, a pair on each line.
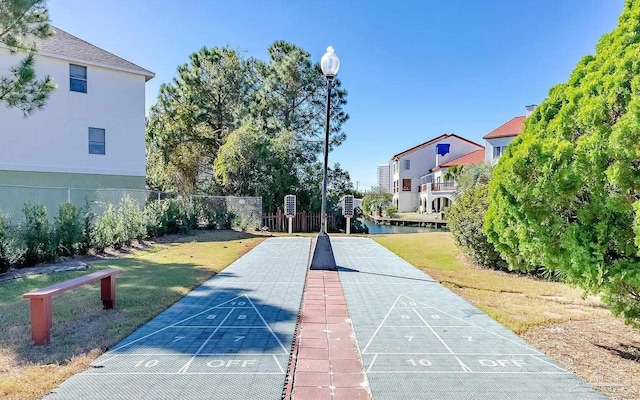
109,230
37,235
155,216
132,219
87,240
465,220
179,216
391,211
9,250
68,230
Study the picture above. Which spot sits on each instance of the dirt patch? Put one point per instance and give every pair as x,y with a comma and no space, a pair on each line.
604,352
552,315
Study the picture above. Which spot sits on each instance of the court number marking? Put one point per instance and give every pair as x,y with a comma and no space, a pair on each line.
178,338
411,303
435,316
148,364
409,338
421,362
469,338
242,316
404,316
238,338
238,303
211,316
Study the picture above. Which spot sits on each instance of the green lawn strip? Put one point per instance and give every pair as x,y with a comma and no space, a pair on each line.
519,302
149,282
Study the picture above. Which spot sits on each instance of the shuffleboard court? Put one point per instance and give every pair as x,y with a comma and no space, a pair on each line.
419,340
230,338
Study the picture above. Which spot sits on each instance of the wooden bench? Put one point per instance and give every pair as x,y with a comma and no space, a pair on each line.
41,317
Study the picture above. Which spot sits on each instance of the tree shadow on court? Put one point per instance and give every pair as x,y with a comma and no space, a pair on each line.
83,329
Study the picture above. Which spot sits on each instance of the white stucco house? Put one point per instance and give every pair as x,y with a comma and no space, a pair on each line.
438,192
414,170
90,134
498,139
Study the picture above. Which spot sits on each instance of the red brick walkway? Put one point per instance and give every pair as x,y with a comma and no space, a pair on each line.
326,363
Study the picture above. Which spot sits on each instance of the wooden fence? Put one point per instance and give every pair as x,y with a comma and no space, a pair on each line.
302,222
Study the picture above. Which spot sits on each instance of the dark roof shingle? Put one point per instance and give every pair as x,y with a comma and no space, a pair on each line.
65,44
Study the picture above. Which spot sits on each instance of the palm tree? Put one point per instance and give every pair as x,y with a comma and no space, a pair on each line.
475,174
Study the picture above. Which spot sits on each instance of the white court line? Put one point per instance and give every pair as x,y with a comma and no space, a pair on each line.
422,326
232,355
375,357
547,362
471,373
462,364
476,326
188,373
278,362
268,327
172,325
379,326
104,361
216,326
188,364
459,354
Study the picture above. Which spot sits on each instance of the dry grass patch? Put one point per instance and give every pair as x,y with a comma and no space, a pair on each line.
149,283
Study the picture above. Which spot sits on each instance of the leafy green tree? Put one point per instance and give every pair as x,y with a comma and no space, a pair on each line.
21,21
375,201
566,195
251,163
195,113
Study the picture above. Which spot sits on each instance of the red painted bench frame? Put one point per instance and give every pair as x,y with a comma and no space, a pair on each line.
41,316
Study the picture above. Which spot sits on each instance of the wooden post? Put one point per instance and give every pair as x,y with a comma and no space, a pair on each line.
41,319
108,291
304,222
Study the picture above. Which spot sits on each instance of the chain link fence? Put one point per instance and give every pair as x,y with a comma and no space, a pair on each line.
246,212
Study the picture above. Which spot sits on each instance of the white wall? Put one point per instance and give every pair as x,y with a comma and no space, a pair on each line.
55,139
491,143
421,162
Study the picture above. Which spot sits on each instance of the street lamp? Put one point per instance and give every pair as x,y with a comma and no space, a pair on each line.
323,253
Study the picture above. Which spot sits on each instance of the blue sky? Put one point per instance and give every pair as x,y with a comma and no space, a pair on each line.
413,69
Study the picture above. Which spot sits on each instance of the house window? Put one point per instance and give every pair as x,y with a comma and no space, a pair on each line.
78,78
395,186
407,165
406,185
498,151
395,167
97,141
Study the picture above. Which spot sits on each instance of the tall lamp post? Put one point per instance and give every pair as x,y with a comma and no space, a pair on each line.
322,252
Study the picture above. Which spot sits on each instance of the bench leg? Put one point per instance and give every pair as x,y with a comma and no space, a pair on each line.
108,291
41,320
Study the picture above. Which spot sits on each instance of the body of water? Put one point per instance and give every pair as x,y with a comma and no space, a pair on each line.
375,229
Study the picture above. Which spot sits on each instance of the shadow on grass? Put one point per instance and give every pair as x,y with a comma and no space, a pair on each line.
207,236
80,325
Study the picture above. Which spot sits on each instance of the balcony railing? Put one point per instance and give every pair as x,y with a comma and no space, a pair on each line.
441,186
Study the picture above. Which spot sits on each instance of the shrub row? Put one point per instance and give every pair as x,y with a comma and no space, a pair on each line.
76,231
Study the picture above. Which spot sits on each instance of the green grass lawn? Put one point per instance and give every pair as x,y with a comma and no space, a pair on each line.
150,281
